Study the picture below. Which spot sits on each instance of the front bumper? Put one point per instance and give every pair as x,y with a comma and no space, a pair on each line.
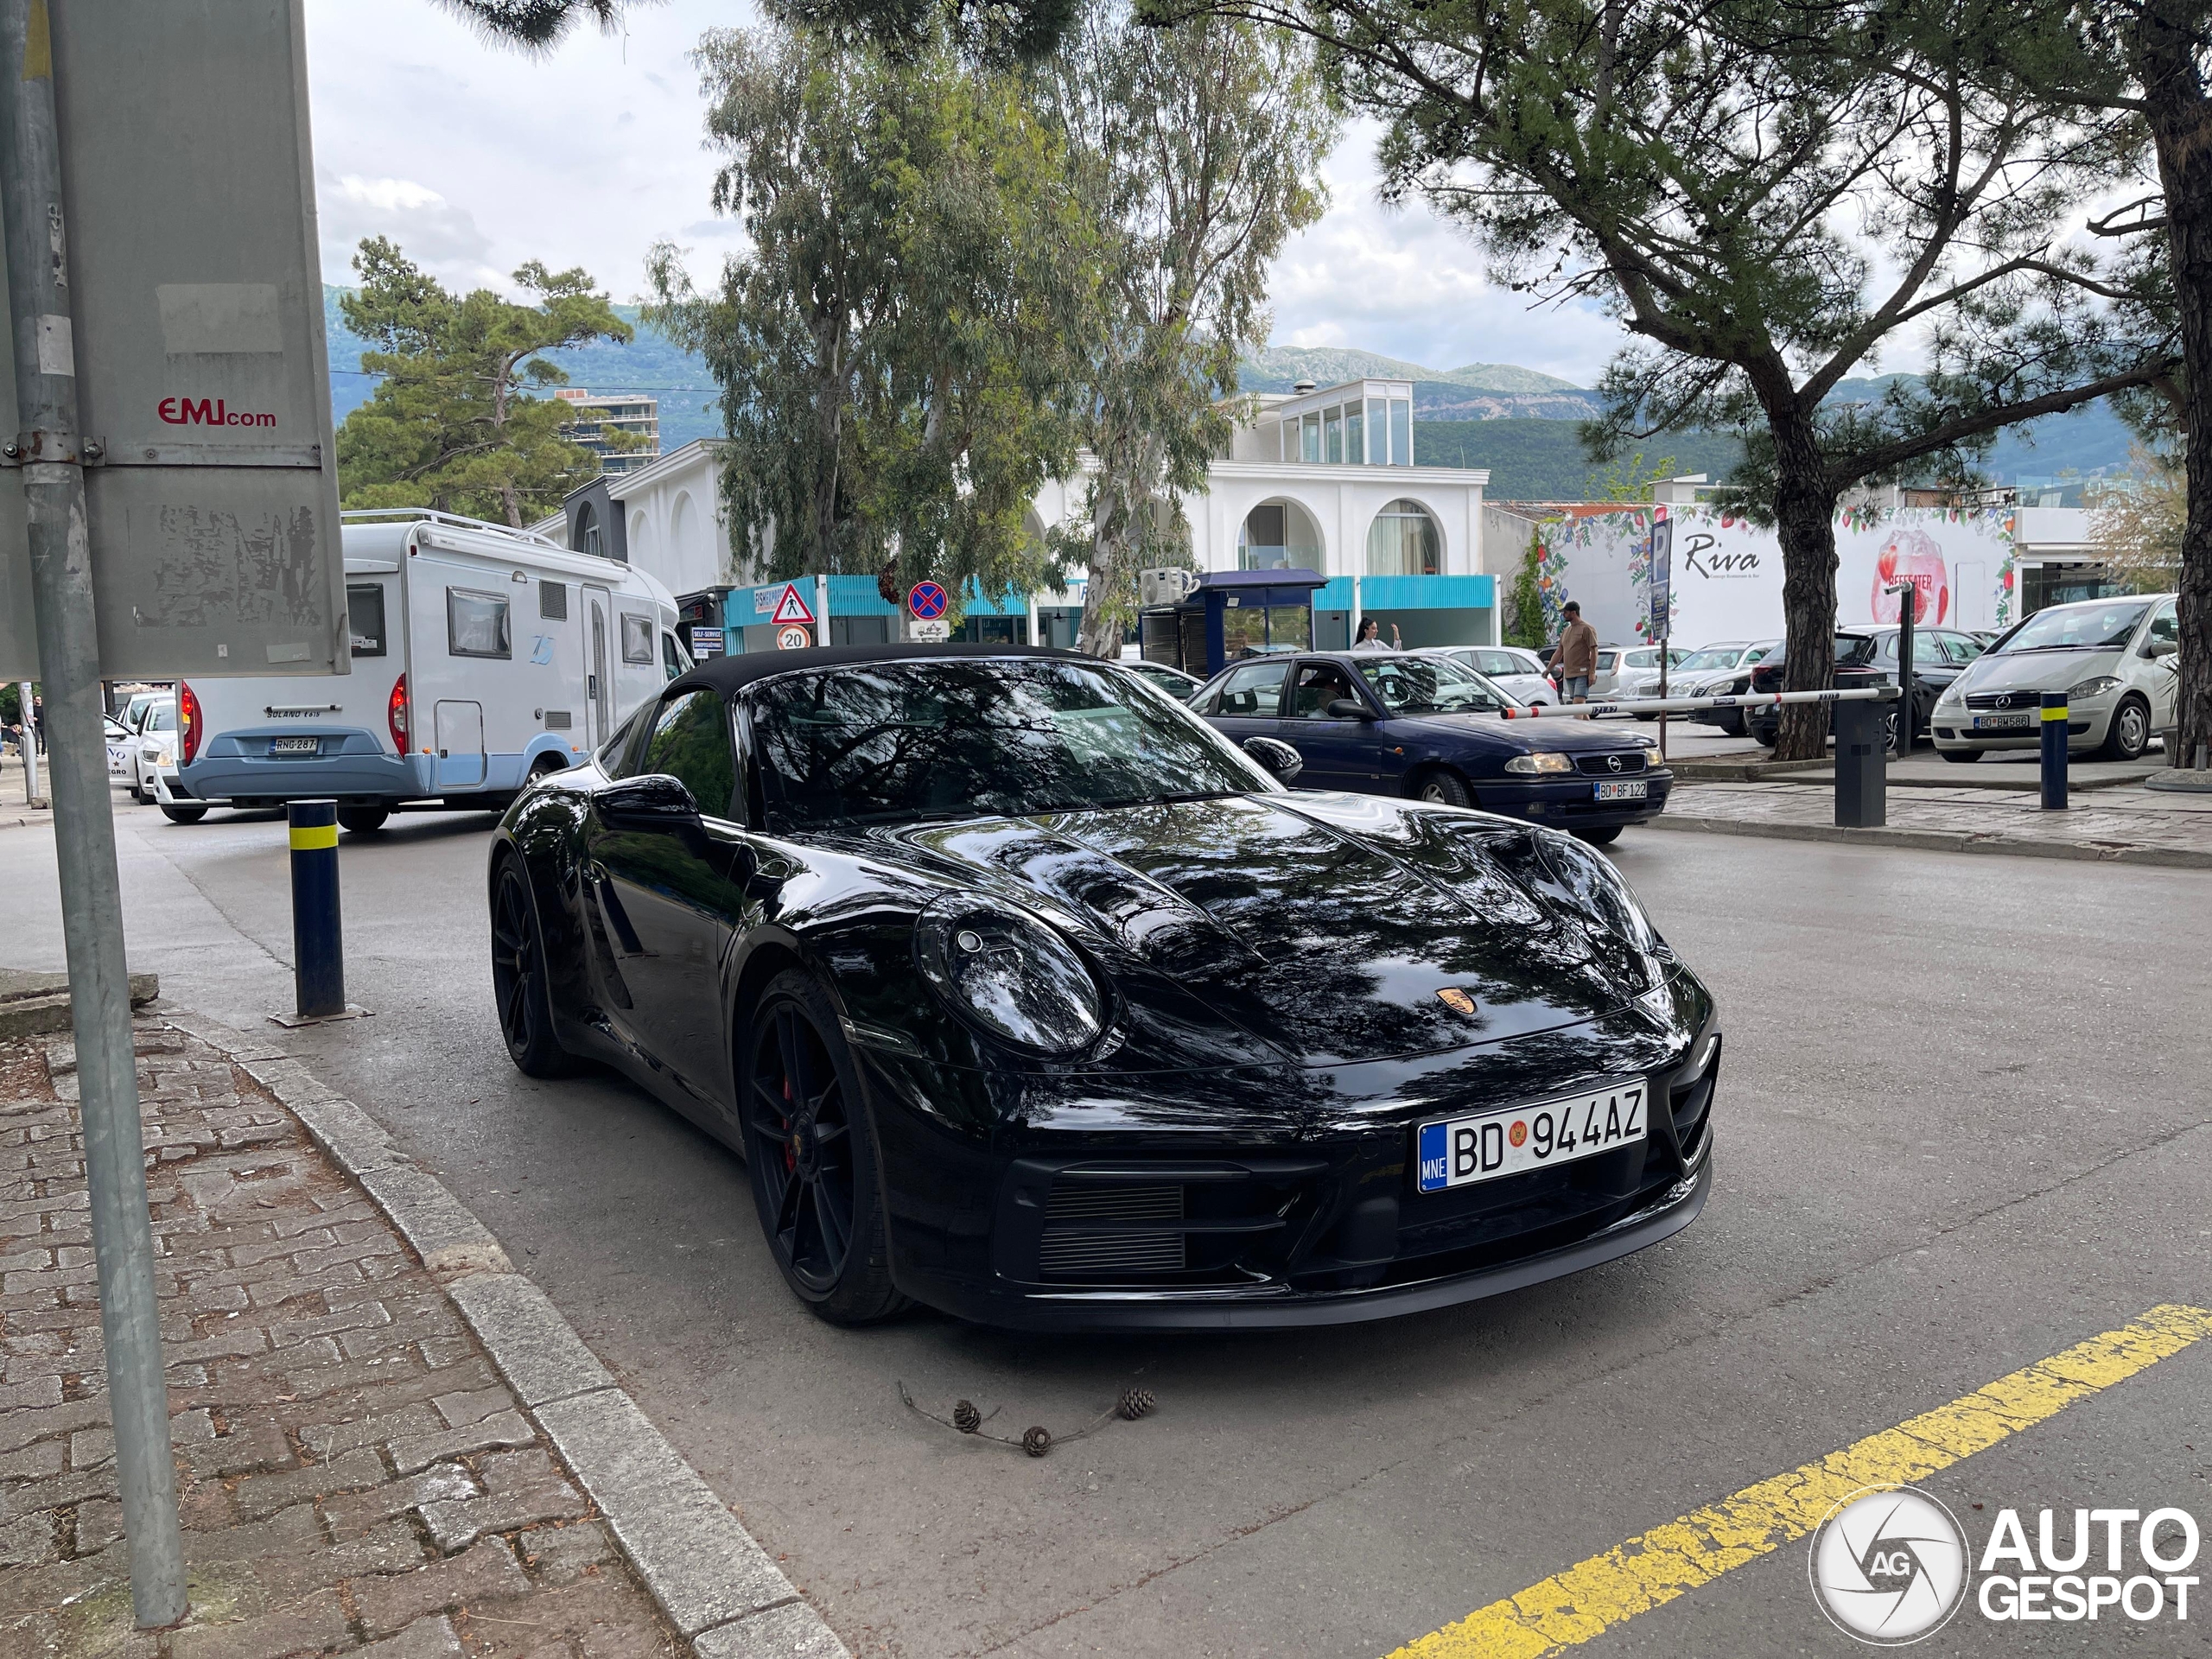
1570,801
1064,1229
2087,723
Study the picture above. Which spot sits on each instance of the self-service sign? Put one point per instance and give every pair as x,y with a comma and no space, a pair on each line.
187,226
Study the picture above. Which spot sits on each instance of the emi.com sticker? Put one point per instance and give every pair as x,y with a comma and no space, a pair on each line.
1891,1565
1888,1566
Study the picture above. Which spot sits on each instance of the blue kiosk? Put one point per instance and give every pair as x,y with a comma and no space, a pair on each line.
1232,613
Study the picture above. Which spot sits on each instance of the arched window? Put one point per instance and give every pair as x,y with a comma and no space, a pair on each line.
1404,541
586,539
641,539
1279,536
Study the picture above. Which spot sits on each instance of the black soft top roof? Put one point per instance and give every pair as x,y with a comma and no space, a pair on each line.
729,674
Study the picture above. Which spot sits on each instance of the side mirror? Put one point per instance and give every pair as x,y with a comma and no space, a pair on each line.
654,803
1279,757
1348,709
2158,648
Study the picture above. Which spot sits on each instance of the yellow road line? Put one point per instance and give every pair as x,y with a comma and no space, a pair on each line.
1693,1549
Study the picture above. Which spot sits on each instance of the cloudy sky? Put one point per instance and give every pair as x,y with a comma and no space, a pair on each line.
474,158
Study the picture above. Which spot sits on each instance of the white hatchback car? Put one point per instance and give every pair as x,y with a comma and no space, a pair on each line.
152,747
1620,667
1518,673
2116,660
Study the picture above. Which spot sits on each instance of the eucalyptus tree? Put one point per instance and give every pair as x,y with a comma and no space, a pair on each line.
1768,197
1197,147
899,344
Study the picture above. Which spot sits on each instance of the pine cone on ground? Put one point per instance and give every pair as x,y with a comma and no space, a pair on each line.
965,1417
1134,1403
1036,1441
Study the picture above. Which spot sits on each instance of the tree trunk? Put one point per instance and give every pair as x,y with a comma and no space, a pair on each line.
1804,510
2180,125
1096,636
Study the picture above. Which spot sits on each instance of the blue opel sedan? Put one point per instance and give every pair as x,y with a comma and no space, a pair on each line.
1388,723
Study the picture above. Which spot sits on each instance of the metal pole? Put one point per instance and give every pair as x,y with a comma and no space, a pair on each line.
30,743
318,948
92,904
1908,605
2054,751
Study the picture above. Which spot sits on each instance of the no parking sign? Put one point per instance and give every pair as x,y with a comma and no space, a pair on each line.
927,600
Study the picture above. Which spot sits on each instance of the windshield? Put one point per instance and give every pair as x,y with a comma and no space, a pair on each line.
894,742
1719,656
2076,628
1429,685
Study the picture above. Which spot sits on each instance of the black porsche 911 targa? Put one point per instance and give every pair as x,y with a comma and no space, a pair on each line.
1026,994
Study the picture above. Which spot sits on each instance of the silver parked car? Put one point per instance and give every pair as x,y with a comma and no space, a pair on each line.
1716,670
1620,667
1518,673
2116,660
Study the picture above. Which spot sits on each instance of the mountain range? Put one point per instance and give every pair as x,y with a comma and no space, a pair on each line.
1519,422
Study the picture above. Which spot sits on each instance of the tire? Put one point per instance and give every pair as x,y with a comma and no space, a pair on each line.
519,990
2129,734
1960,756
1442,788
183,814
363,820
810,1152
1732,724
1605,836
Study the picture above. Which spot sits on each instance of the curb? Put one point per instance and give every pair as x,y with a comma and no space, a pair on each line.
1942,840
703,1569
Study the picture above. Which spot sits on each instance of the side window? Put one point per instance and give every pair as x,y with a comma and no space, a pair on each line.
364,617
690,742
2165,626
674,659
1318,685
476,624
637,638
1253,690
1963,647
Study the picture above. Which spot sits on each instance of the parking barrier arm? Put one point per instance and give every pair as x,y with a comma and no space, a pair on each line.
1687,705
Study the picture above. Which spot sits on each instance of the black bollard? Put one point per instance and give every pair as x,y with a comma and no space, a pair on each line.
1861,779
318,954
2054,751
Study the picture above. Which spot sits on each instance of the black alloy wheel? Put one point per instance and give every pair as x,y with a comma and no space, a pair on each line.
813,1157
183,814
362,820
519,981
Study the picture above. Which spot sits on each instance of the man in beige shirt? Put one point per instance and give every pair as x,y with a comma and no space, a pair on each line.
1576,659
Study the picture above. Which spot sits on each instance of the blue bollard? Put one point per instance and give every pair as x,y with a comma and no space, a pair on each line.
2054,751
318,953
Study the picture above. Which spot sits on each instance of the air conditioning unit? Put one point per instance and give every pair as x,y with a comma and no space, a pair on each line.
1157,587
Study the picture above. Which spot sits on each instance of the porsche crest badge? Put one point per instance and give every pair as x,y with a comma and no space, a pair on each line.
1456,999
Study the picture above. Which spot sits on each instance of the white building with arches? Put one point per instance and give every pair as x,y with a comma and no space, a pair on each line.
1322,480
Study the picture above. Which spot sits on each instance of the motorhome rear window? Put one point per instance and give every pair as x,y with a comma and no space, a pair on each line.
553,600
636,638
364,617
476,624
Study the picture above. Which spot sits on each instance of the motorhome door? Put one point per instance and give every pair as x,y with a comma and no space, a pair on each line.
599,684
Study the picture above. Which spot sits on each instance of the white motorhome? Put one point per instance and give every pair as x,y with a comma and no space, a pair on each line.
482,658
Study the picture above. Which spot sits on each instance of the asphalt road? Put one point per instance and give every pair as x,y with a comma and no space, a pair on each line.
1962,1126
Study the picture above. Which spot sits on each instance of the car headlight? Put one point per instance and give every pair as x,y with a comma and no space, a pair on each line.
1010,975
2095,686
1550,761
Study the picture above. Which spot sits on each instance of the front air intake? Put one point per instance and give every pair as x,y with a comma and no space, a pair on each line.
1098,1232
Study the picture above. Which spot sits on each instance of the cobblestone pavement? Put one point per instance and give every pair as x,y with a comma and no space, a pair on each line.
2131,824
353,1474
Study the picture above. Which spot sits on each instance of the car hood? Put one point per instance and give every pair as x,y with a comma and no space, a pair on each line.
1564,732
2038,670
1315,928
